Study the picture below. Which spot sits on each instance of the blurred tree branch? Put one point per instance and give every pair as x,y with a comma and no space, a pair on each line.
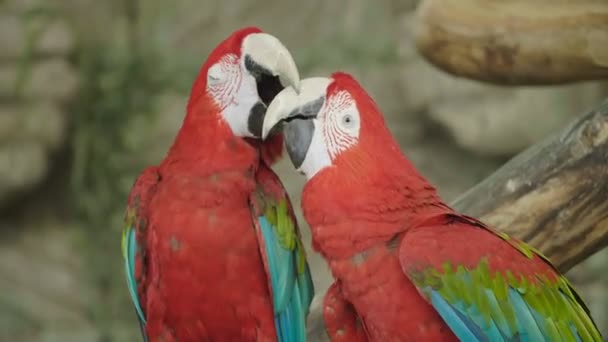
554,196
516,41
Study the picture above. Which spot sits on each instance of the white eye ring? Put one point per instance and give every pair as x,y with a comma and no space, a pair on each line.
348,121
214,74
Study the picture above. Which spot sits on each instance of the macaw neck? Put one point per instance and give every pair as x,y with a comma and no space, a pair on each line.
347,217
205,144
270,149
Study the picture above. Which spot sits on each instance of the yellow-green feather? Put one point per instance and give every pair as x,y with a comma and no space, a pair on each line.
291,282
129,223
278,215
583,323
553,300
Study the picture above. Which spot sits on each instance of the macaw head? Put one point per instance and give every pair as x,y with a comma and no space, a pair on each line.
332,124
336,136
241,77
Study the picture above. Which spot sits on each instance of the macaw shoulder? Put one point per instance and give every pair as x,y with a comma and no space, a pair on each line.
462,240
138,203
143,188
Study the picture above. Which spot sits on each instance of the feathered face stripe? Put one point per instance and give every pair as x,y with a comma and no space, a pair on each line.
340,123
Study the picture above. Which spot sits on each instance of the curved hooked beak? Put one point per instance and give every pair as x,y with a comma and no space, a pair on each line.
297,111
273,68
265,54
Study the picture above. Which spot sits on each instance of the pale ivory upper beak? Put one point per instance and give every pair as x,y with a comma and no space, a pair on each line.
268,51
291,103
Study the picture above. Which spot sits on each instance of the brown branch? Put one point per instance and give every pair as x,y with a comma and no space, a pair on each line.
554,196
516,41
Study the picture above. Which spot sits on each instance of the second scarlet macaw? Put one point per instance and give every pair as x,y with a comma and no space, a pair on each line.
407,266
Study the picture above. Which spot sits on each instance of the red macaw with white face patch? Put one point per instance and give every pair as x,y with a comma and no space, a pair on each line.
211,247
407,266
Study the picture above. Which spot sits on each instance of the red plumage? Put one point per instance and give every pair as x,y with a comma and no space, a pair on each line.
199,269
341,320
375,218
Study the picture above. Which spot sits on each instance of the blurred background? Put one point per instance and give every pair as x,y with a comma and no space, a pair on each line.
93,91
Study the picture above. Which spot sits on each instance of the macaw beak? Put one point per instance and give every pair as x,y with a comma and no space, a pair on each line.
266,55
273,68
296,111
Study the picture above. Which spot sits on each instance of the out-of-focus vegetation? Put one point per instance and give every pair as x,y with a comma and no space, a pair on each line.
118,88
60,266
122,83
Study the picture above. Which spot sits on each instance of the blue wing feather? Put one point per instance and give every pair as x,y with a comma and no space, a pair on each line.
129,256
498,317
130,271
280,264
299,313
528,329
292,292
479,302
461,326
466,323
305,288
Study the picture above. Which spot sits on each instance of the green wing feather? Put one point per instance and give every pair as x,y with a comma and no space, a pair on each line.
481,304
290,278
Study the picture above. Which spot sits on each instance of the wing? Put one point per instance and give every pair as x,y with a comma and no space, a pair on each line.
489,287
342,323
284,260
132,252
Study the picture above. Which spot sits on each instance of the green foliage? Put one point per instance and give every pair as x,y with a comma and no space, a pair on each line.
352,47
14,321
347,51
36,21
119,86
116,89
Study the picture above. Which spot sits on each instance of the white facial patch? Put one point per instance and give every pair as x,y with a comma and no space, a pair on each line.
336,129
317,157
234,90
340,123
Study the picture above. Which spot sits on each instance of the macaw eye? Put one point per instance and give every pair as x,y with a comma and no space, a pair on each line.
214,74
348,121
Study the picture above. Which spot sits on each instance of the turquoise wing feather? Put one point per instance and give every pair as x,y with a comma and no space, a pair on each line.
481,303
480,307
291,281
135,221
129,252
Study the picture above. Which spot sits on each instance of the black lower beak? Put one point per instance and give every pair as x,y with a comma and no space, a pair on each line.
256,119
298,136
299,129
268,86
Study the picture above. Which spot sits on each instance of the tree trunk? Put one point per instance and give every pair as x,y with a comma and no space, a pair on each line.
516,41
554,196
